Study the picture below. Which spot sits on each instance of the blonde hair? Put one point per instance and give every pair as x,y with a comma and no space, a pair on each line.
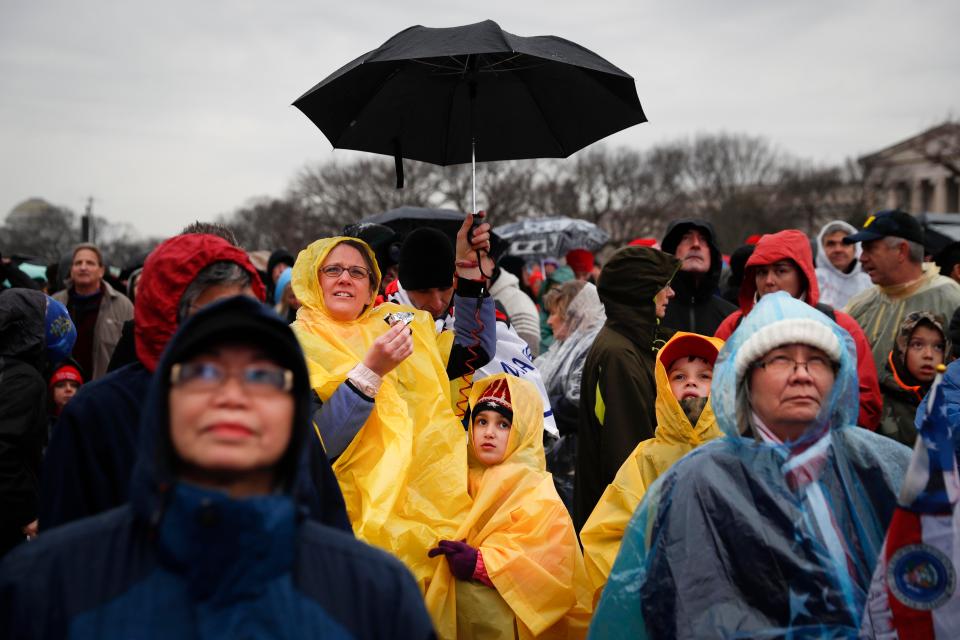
563,295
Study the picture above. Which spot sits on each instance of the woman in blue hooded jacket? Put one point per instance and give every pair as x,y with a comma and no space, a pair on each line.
215,541
774,529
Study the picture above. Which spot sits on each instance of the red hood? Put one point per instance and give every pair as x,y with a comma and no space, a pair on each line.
772,247
168,271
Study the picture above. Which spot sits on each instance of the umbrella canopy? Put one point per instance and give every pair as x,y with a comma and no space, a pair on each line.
551,237
428,94
403,220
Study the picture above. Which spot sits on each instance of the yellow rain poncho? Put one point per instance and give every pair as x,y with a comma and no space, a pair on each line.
526,538
404,476
673,439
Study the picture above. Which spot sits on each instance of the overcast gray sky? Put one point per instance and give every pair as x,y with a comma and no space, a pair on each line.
166,112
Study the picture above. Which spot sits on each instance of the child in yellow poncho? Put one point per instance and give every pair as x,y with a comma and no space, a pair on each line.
684,421
514,568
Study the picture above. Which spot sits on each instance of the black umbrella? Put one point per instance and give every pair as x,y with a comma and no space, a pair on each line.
404,220
460,94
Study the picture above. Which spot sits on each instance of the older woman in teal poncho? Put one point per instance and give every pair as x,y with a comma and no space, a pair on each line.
773,529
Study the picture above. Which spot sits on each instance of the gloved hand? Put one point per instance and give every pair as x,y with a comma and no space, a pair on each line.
461,557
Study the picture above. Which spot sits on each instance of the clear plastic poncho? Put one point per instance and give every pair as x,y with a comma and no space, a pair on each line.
562,365
746,538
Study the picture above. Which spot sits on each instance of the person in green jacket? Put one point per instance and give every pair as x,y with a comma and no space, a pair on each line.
921,344
618,389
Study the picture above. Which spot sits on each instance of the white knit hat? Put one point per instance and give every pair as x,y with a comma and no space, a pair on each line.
783,332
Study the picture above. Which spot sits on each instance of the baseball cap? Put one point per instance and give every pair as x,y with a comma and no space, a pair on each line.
889,222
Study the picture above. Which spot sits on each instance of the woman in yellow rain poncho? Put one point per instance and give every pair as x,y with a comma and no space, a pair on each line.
674,437
402,470
519,566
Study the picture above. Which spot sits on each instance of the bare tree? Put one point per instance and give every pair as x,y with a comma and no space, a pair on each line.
42,230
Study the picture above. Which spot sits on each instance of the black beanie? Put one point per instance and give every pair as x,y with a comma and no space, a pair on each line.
426,260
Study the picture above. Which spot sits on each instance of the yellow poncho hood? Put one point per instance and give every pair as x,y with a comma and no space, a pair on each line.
404,475
673,439
526,537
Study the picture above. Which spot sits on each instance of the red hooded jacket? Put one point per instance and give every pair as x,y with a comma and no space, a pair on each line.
168,271
793,245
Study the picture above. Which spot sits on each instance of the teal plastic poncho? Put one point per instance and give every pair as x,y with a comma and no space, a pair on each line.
745,537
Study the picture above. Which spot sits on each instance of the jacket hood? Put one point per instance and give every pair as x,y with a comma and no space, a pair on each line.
22,313
239,319
672,422
729,391
824,263
790,245
525,443
685,284
168,271
630,280
897,360
306,283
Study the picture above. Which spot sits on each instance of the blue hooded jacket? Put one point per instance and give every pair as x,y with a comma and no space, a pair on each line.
725,545
188,562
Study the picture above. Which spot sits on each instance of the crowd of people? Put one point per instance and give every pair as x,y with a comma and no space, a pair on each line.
408,436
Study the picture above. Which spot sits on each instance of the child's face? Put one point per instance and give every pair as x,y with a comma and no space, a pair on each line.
491,431
63,391
690,378
924,352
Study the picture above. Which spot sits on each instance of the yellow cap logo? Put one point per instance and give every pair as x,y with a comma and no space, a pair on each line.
869,221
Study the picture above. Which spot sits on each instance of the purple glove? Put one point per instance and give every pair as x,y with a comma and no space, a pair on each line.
461,557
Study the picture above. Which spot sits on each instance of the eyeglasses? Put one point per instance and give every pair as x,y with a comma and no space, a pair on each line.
334,271
207,376
782,365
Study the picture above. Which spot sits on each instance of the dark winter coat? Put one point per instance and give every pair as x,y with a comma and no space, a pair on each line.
182,561
618,389
91,454
695,307
23,410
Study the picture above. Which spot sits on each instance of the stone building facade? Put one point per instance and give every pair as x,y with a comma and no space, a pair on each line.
920,174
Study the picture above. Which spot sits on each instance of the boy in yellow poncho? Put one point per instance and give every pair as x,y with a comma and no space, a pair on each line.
403,474
514,568
684,421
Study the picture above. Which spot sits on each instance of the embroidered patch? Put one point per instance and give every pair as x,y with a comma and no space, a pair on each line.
921,577
869,221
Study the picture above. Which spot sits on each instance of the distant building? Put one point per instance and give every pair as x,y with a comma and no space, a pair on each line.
920,174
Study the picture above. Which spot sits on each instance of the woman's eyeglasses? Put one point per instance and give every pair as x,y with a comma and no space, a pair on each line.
334,271
781,365
208,376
